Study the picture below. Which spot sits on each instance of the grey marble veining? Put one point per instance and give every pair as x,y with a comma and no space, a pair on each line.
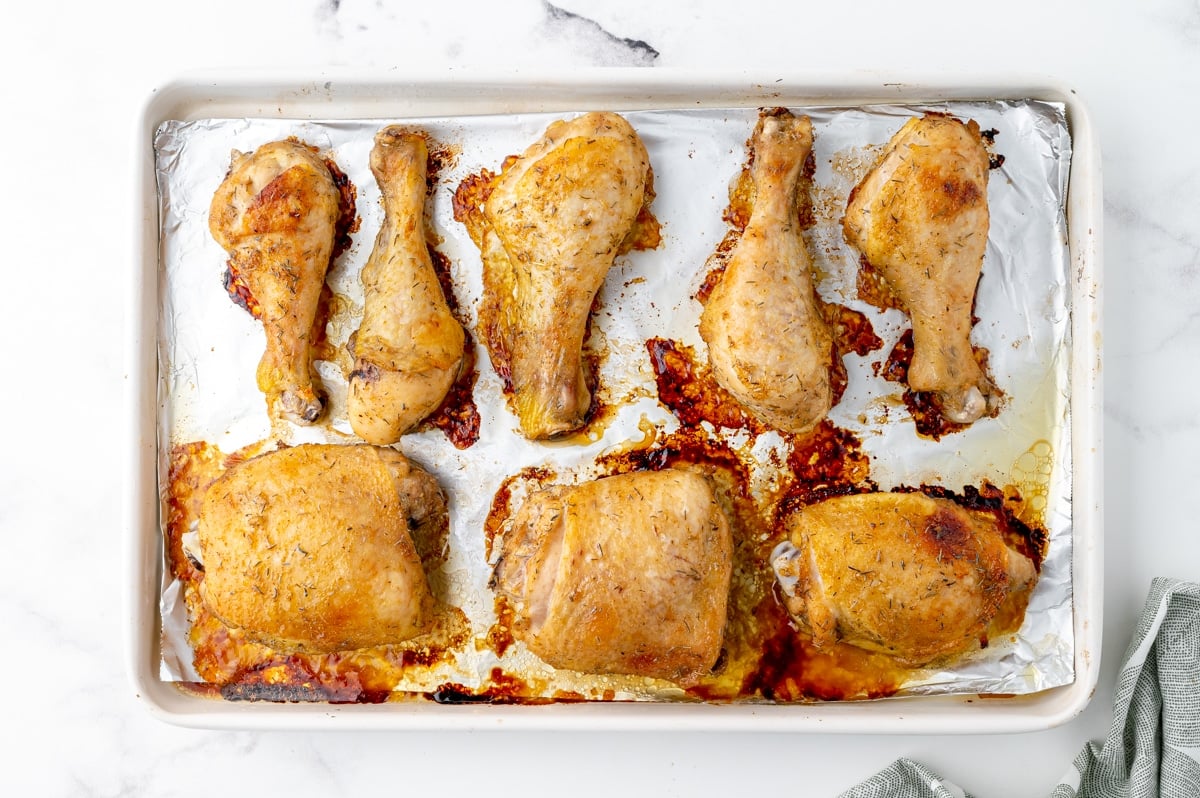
526,32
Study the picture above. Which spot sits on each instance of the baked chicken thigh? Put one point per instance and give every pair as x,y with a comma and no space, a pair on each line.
920,218
312,548
768,342
276,215
409,348
549,230
916,577
627,574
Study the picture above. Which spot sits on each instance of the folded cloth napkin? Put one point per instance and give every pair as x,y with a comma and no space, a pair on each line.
1153,746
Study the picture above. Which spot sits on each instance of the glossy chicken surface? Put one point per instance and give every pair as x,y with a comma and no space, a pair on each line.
627,574
768,342
409,348
549,231
905,574
920,218
276,215
312,548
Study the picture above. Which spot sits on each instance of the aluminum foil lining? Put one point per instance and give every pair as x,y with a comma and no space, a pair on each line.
209,348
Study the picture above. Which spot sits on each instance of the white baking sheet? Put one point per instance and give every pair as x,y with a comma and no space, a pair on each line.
209,348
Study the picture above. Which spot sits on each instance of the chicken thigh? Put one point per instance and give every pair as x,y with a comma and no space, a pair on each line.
627,574
313,548
916,577
920,218
549,230
409,348
276,215
768,342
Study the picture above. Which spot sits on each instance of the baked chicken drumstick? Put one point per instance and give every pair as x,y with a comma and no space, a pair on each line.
276,215
549,230
920,218
409,349
768,342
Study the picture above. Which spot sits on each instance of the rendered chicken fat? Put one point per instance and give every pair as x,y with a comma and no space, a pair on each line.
916,577
627,574
310,548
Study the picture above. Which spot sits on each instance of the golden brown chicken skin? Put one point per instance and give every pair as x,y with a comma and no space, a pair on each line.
409,348
768,342
311,548
916,577
549,230
920,217
628,574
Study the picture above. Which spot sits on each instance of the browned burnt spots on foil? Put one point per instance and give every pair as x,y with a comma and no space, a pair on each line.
852,330
441,157
348,220
874,289
852,333
501,688
458,416
995,159
686,447
792,669
923,405
245,670
293,681
827,461
688,389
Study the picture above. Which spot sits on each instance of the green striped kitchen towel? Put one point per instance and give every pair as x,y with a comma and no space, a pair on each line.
1153,746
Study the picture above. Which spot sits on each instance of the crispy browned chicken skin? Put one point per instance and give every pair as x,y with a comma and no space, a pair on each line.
912,576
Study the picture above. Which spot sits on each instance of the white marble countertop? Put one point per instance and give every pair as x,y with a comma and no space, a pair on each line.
76,75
